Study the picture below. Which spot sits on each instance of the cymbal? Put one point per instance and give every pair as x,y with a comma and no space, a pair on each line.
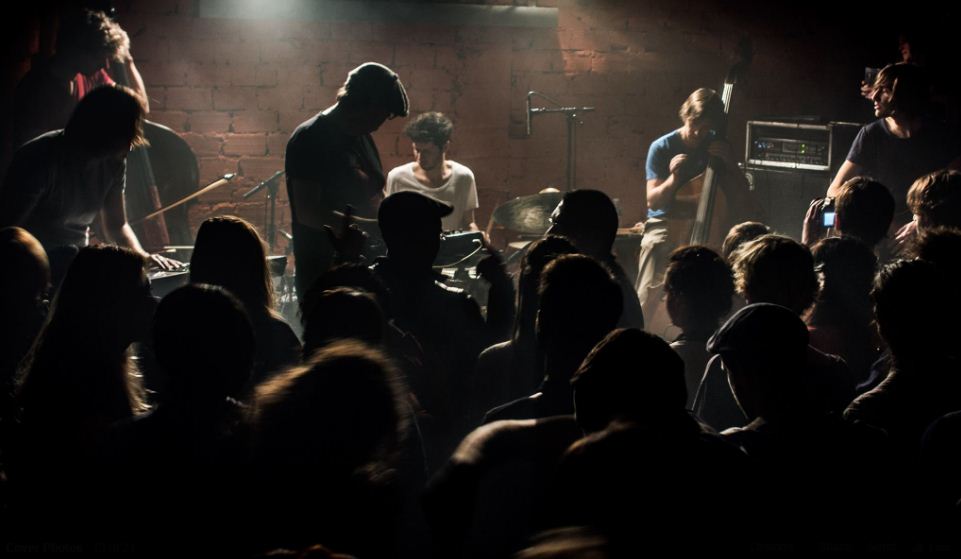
528,214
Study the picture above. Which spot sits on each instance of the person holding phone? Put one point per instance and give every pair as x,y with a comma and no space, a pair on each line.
827,213
863,209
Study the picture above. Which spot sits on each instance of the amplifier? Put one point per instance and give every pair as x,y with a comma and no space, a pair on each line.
800,146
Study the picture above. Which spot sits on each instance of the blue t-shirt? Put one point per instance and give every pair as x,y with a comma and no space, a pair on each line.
897,162
659,157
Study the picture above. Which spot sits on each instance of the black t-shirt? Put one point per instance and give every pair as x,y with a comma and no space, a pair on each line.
898,162
320,152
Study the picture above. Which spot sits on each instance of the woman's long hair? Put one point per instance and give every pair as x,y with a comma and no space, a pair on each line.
79,368
229,253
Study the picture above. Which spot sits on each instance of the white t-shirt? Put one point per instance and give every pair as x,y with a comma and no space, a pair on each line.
459,191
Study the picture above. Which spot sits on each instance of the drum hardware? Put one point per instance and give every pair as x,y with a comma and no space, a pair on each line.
270,210
356,218
214,185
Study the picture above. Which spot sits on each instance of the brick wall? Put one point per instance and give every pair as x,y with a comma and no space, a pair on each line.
236,89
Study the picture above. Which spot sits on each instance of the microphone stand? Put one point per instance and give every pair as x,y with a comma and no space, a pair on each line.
270,223
572,117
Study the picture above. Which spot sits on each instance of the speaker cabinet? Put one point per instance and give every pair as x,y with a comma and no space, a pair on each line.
785,195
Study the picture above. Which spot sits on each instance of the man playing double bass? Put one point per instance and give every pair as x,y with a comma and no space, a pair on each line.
673,160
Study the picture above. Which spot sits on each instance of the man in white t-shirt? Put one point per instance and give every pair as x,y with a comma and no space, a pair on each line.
432,174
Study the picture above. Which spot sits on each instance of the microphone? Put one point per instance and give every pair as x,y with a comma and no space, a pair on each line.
263,185
529,93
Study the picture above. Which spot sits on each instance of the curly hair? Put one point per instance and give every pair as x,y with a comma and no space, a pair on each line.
431,127
740,234
93,32
776,269
935,199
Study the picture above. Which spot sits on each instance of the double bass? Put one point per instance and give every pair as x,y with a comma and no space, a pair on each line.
702,209
714,215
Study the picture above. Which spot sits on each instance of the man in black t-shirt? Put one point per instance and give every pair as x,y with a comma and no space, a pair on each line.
332,162
903,144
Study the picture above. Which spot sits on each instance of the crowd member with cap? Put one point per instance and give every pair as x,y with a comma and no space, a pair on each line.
775,269
796,445
446,321
332,162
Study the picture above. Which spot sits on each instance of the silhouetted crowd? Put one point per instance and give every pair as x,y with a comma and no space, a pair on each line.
811,402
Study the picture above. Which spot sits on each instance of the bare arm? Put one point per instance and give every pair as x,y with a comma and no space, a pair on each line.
660,192
114,216
136,82
468,223
308,198
848,171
